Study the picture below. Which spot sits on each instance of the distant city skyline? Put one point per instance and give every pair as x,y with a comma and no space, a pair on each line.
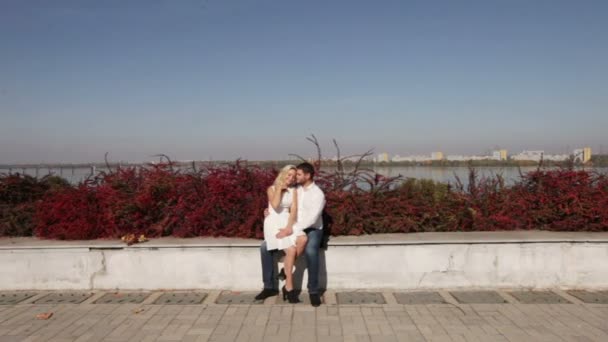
224,80
584,152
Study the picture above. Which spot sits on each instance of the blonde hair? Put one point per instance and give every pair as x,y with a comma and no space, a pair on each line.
283,174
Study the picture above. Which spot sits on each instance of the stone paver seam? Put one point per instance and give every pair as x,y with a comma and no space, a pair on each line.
568,296
440,320
507,297
141,325
558,317
537,311
66,306
386,318
537,315
586,307
152,297
217,323
483,317
33,298
567,313
243,320
94,297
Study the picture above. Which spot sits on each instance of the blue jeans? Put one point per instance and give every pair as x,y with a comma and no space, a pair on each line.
270,283
313,245
312,259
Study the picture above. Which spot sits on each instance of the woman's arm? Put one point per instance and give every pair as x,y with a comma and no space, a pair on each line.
293,216
274,197
293,211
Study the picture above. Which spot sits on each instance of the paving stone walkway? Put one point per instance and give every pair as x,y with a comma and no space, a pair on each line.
345,316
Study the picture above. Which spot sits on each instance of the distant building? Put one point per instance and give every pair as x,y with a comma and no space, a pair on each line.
537,156
457,157
351,159
529,155
499,155
582,154
382,158
415,158
556,157
437,156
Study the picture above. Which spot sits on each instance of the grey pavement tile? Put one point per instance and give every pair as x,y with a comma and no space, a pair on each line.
181,298
12,298
64,298
232,297
590,297
123,298
478,297
357,298
538,297
238,320
419,297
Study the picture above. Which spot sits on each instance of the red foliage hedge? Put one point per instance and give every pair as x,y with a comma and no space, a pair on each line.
19,195
228,200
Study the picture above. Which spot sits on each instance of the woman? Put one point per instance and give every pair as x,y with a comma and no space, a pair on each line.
282,207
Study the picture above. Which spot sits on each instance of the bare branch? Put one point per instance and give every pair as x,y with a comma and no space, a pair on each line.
339,165
297,156
161,156
313,139
105,158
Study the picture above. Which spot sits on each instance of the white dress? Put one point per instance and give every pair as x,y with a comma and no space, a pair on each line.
278,219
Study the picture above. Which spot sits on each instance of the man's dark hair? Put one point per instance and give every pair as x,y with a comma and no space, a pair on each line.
307,168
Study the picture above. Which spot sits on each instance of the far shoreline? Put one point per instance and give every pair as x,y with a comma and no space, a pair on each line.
596,161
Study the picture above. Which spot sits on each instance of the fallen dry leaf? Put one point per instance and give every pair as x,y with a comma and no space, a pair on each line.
44,315
138,310
130,239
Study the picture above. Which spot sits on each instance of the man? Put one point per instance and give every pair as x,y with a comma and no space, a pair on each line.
311,202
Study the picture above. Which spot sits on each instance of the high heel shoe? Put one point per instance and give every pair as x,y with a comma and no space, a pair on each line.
290,296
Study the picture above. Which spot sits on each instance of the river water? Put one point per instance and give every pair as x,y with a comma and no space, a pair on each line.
439,174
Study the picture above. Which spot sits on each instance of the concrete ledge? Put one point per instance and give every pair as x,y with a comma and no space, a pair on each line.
518,259
443,238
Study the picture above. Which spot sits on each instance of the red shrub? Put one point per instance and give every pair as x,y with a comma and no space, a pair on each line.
563,200
224,201
229,200
218,201
18,196
73,214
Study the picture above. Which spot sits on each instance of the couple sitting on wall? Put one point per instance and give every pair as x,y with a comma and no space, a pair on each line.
294,225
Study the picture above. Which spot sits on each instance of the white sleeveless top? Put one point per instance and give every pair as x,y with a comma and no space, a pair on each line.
285,203
278,219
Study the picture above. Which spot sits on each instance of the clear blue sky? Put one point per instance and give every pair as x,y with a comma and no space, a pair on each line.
227,79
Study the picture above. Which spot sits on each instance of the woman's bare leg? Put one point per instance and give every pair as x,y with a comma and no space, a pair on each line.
301,244
290,258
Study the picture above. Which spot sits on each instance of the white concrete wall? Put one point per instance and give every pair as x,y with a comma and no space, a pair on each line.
411,266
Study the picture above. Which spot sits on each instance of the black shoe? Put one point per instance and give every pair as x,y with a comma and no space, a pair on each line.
315,299
266,293
290,296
